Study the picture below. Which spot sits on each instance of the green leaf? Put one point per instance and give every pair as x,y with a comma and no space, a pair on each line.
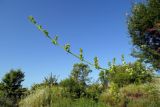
81,54
55,40
31,18
39,27
45,32
96,64
123,60
67,47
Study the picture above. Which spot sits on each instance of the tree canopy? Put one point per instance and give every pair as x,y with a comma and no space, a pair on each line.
144,30
11,86
80,73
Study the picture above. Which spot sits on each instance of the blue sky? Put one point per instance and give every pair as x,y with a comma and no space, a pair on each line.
97,26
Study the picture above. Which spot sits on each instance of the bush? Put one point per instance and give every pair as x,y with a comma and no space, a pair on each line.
4,101
130,73
133,95
143,103
93,91
144,95
111,96
41,97
52,97
71,88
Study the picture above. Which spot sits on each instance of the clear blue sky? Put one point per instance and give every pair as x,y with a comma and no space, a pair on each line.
98,26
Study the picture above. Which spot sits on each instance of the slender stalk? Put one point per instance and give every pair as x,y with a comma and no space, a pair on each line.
67,49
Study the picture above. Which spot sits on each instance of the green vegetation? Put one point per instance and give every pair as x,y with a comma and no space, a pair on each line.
140,88
120,85
54,95
11,88
76,84
131,73
144,29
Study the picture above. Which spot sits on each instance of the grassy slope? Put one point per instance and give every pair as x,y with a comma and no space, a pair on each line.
144,95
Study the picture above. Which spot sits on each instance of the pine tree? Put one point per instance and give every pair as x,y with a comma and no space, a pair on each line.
144,30
11,86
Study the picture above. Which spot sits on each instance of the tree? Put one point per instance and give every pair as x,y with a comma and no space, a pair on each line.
144,30
103,78
11,85
71,88
80,73
50,80
77,82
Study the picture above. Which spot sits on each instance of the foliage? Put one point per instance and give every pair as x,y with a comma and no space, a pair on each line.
71,88
36,86
11,86
51,80
36,99
144,29
144,103
76,84
111,96
144,95
129,73
103,78
126,73
93,91
118,76
133,95
41,98
80,73
66,47
4,101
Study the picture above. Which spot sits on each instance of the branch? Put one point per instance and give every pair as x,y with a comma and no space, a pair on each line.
66,47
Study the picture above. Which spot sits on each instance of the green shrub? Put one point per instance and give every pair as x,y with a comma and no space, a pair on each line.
130,73
4,101
71,88
52,97
133,95
93,91
51,80
111,96
75,86
43,96
144,95
143,103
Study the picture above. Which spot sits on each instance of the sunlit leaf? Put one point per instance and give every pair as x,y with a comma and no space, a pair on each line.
81,54
39,27
96,64
67,47
55,40
45,32
31,18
